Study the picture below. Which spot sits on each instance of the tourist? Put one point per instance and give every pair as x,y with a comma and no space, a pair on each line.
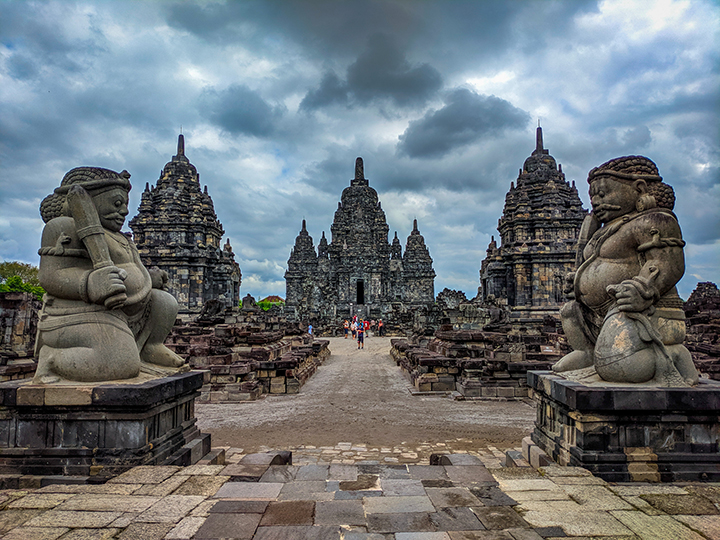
346,327
353,328
366,326
361,335
310,329
380,328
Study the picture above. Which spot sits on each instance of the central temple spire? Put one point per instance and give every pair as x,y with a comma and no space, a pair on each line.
181,145
359,169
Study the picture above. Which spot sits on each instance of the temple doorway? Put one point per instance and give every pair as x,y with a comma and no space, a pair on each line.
360,292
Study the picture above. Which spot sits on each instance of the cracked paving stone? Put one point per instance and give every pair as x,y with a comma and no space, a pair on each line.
455,496
492,496
500,517
164,488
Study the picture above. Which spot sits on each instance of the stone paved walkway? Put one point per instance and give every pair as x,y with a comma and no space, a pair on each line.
467,497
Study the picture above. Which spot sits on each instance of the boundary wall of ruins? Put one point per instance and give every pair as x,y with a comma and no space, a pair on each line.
248,353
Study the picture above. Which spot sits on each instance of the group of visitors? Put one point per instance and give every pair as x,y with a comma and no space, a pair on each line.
359,328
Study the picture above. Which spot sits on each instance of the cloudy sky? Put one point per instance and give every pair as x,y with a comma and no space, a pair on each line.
276,99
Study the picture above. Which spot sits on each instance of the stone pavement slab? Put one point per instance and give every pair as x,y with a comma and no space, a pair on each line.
340,513
109,503
315,532
145,474
500,517
186,529
313,472
405,522
422,536
455,496
201,485
469,474
396,505
201,470
36,533
287,513
58,518
40,500
578,523
170,509
90,534
239,507
681,504
145,531
459,518
655,527
707,525
99,489
280,473
238,526
393,487
265,491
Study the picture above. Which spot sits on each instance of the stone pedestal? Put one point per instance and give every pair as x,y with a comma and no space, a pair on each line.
99,429
629,433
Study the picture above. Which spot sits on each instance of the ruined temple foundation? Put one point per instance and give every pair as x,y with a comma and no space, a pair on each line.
98,430
629,433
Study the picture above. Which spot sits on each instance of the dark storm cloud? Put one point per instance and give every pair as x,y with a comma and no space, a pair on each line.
331,91
240,110
381,72
466,117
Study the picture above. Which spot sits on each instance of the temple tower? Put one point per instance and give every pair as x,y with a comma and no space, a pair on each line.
177,230
358,270
538,230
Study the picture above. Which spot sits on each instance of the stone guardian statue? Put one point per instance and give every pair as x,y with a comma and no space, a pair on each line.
624,319
104,316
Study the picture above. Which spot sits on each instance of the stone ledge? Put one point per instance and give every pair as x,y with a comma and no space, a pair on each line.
704,397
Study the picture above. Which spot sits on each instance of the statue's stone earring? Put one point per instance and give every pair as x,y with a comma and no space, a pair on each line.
645,202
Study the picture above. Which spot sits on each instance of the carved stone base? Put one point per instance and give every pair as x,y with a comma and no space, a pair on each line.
98,429
629,433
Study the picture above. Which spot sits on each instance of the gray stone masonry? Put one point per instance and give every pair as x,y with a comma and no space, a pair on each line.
538,232
177,230
358,272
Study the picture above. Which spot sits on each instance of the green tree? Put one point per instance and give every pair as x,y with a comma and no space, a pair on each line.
20,277
27,272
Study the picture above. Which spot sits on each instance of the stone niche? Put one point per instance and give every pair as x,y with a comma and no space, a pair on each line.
18,326
99,430
629,433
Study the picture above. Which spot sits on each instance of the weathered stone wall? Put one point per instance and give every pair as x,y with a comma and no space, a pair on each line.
248,352
702,312
478,363
18,328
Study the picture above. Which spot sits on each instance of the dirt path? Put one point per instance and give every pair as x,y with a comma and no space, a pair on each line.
361,396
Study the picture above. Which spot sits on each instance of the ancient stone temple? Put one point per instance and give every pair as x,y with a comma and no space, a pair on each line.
177,230
359,270
538,231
